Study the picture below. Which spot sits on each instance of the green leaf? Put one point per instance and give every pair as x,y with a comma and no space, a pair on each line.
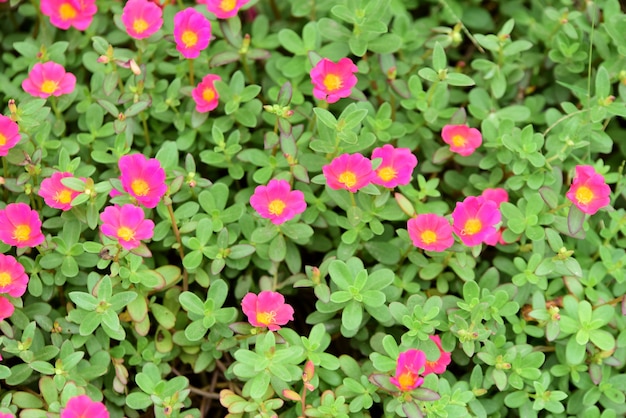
352,316
575,220
340,274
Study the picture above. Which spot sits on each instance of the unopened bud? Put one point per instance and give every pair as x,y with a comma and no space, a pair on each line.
315,275
12,107
291,395
103,59
134,67
309,371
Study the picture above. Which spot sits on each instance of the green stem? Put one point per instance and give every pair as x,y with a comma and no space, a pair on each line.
146,132
191,79
181,251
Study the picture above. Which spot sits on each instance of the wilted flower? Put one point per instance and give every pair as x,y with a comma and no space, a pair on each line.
438,366
223,9
462,139
13,279
143,179
66,13
48,79
56,194
430,232
396,167
83,407
589,191
268,309
142,18
20,226
6,310
333,81
192,32
474,220
277,201
348,171
205,95
408,367
9,134
127,224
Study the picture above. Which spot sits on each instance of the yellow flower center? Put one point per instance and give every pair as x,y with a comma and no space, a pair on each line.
332,82
49,86
459,140
140,187
189,38
472,226
140,25
67,11
406,380
348,178
276,207
126,233
228,5
208,94
265,318
21,233
5,279
387,173
64,196
428,236
584,195
3,139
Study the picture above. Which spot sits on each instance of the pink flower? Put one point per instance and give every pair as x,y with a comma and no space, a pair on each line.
6,310
142,18
497,195
396,168
268,309
143,179
48,79
127,224
333,81
9,134
20,226
430,232
348,171
589,192
55,194
83,407
408,367
223,9
192,32
438,366
474,220
66,13
277,201
13,279
3,414
205,95
462,139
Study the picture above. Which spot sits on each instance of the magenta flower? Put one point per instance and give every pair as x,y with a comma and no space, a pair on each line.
142,18
268,309
143,179
3,414
474,220
333,81
589,191
48,79
396,168
55,194
83,407
430,232
497,195
408,367
223,9
6,310
20,226
438,366
192,32
66,13
127,225
277,202
462,139
13,279
205,95
9,134
348,171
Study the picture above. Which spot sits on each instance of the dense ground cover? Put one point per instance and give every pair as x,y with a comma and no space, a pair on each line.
313,208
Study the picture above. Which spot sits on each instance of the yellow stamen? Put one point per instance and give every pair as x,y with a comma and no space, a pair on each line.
407,380
584,195
387,173
276,207
49,86
140,25
459,141
64,196
428,236
228,5
208,94
67,11
265,318
472,226
126,233
5,279
3,140
332,82
348,178
140,187
189,38
21,233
